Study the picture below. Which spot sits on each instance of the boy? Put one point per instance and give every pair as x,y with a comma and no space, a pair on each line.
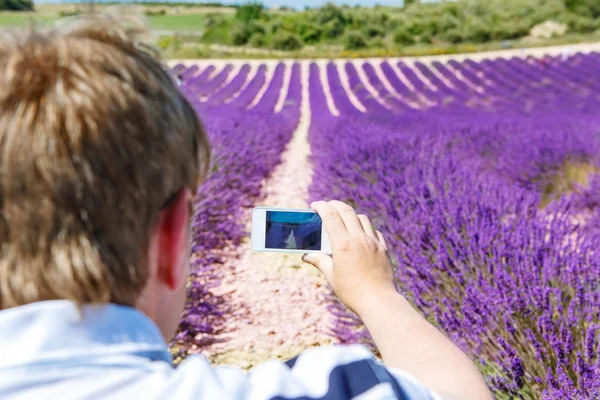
100,157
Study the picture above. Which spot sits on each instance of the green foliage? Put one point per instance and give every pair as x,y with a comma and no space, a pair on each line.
333,29
241,33
444,24
276,26
448,21
64,13
586,8
173,4
331,21
329,12
164,42
286,41
374,31
478,32
213,20
178,22
507,30
257,39
583,24
426,37
354,40
249,12
16,5
217,29
452,35
169,43
408,3
310,33
403,37
377,43
154,13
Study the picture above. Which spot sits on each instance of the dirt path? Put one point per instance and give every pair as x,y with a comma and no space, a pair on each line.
277,301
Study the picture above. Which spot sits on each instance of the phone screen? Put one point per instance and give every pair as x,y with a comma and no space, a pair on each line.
293,230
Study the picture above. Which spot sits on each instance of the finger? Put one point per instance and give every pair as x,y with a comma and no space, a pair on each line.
322,262
366,225
348,216
381,239
332,221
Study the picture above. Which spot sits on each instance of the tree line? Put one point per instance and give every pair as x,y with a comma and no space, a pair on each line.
451,22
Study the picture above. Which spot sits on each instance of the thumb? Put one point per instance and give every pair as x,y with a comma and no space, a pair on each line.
322,262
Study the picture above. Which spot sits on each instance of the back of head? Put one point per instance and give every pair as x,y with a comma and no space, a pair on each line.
94,138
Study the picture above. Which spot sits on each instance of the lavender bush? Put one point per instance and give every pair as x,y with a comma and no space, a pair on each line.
489,205
241,162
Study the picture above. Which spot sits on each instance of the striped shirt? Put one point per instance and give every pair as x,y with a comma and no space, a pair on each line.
51,350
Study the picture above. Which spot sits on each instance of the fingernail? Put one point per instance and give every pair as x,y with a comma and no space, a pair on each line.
307,258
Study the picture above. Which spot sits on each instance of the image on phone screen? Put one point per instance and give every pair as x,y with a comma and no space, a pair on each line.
293,230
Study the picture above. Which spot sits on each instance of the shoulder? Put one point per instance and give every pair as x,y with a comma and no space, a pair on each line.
332,372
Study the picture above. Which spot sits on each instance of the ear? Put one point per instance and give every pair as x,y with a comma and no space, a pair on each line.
173,239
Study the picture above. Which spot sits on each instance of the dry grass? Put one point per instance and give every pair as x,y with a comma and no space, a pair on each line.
54,10
570,178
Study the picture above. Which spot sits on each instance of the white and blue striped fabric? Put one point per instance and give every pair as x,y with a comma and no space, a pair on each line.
51,350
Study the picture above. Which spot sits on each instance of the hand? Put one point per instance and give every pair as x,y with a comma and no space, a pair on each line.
361,267
362,276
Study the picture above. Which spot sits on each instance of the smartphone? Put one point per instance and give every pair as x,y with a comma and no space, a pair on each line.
288,230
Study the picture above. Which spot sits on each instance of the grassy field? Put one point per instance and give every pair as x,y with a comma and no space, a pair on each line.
8,19
170,23
181,47
183,22
56,9
179,30
175,19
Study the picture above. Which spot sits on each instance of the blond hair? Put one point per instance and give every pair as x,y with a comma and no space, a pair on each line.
94,138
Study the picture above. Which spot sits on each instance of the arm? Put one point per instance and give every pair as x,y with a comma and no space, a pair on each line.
361,274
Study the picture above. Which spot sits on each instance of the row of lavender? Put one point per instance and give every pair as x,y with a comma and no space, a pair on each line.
240,164
515,85
476,173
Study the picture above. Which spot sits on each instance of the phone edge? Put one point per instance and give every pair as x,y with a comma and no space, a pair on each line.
283,251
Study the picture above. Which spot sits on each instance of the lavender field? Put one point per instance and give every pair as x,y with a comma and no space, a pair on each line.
481,174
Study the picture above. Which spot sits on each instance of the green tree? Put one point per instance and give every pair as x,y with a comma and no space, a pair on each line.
354,40
217,28
16,5
448,21
249,12
257,40
286,41
276,26
453,35
403,37
373,31
213,20
426,37
583,24
477,31
241,33
329,12
310,33
586,8
333,29
452,22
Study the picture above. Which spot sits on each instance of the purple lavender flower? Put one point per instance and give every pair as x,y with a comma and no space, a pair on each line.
484,208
